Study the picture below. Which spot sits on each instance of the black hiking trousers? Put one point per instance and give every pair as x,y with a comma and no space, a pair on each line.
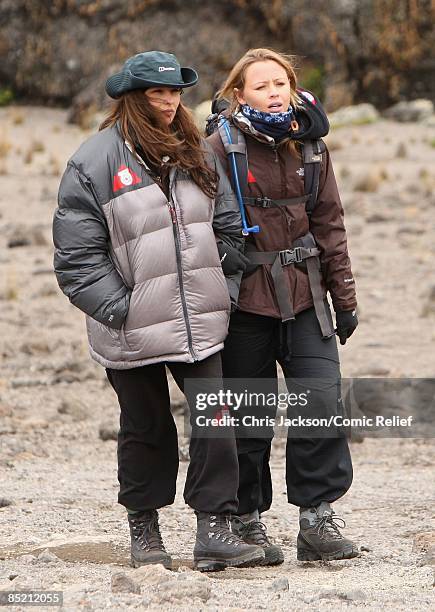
319,468
148,443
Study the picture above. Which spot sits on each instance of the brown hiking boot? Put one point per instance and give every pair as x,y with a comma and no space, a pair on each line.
253,531
146,542
217,547
319,536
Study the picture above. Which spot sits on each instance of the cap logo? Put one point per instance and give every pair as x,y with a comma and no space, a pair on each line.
163,68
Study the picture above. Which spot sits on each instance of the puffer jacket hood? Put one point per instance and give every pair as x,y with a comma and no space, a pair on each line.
144,268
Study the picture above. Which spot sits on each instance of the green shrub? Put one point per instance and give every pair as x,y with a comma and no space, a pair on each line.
314,80
6,96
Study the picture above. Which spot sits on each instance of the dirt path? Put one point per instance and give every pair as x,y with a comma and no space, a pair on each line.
60,476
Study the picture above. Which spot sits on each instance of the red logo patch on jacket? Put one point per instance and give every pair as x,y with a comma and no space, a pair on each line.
251,177
222,413
124,178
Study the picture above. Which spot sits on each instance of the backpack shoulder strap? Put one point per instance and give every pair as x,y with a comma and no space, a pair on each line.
312,154
238,147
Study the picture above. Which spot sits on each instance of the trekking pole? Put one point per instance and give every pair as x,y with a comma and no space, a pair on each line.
245,229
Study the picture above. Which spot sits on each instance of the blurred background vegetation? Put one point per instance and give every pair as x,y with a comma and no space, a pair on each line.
60,52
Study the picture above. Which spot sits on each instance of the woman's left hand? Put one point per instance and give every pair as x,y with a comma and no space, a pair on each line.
347,322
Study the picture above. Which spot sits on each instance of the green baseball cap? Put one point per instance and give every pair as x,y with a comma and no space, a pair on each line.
150,69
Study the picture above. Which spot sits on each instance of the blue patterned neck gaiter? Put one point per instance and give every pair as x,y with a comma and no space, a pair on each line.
276,125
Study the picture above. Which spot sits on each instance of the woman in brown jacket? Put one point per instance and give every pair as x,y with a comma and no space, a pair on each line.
297,252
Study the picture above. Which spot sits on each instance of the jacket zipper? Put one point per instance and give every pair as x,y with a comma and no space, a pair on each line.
176,231
276,153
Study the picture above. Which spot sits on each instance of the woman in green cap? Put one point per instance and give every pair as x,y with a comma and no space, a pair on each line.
145,215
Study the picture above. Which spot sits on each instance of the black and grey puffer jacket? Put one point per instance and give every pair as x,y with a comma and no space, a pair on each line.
145,270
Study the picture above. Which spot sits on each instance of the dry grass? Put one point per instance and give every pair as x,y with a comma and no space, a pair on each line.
345,172
369,182
383,173
18,118
11,292
37,146
5,146
334,144
28,157
55,167
401,151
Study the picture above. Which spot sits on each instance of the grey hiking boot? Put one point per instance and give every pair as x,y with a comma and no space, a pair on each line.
252,531
319,537
146,542
217,547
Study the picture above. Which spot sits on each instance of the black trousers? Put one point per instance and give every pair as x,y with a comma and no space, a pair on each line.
317,469
148,444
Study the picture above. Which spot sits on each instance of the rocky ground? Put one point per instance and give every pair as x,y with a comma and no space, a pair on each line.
60,525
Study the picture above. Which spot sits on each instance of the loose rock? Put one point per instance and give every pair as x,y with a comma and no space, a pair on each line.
121,583
48,557
150,575
429,306
424,541
279,584
429,557
108,433
74,408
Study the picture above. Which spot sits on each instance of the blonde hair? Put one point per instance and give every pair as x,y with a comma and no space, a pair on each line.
236,80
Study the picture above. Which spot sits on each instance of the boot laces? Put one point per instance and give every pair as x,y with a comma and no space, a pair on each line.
328,525
146,531
221,530
255,530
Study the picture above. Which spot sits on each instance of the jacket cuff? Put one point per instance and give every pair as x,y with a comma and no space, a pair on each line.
118,313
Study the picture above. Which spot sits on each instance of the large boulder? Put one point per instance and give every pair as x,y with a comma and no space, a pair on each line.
416,110
359,114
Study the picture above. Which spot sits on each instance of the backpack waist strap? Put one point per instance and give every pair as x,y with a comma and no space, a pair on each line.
308,253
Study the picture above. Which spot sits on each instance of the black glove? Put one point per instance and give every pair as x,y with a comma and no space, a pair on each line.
347,322
232,260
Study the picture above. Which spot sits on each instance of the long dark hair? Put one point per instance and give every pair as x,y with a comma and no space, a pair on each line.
142,126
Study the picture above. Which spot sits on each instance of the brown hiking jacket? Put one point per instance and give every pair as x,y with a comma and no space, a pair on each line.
276,173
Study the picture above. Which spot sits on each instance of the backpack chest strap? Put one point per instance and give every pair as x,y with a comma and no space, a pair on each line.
265,202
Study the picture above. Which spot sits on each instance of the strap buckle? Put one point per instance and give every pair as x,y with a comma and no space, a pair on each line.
263,202
290,256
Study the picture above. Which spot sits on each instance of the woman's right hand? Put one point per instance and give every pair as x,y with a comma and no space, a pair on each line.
232,260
